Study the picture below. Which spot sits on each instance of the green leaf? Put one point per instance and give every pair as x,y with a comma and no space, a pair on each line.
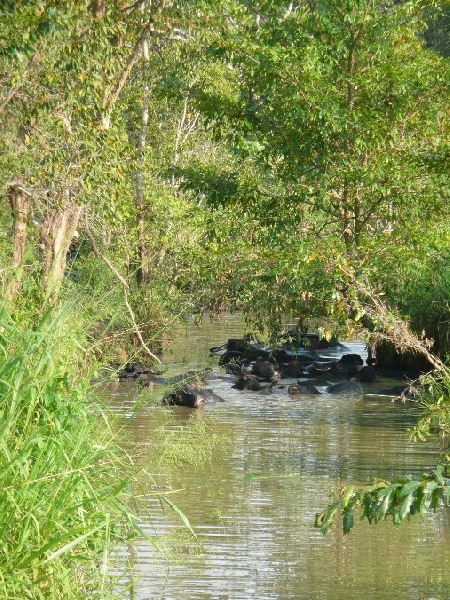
439,474
406,506
347,520
180,514
409,487
325,520
384,506
347,494
436,497
429,487
72,544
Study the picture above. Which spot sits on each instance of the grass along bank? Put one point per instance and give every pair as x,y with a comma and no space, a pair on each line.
66,487
63,493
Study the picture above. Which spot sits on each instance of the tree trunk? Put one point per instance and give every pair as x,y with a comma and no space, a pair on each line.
142,273
57,232
18,199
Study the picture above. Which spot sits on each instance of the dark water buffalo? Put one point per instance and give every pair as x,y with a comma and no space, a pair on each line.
302,388
349,365
248,381
366,374
239,351
188,389
192,396
268,389
345,387
346,366
259,368
132,371
293,368
243,351
265,370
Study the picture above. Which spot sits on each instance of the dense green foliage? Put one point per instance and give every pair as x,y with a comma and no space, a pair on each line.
344,114
283,159
240,148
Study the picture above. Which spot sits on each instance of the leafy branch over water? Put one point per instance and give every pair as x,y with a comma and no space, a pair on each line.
403,498
399,499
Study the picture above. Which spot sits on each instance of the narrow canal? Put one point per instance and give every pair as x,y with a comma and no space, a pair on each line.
253,504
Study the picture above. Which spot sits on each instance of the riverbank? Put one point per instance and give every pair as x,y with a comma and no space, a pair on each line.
67,488
63,489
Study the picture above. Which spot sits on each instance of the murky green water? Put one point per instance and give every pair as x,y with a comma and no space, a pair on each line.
253,506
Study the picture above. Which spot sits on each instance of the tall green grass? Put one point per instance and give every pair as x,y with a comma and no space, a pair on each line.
70,495
65,499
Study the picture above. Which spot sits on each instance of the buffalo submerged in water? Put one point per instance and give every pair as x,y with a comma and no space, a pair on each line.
258,368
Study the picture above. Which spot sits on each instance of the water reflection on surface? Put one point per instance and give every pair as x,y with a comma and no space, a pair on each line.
253,506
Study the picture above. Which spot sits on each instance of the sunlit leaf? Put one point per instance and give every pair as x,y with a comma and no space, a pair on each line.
180,514
347,520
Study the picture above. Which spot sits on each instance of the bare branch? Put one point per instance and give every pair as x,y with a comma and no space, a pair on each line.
125,288
111,98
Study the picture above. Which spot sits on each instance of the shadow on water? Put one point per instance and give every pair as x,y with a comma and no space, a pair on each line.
253,505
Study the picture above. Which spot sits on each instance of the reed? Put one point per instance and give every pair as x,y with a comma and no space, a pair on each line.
65,495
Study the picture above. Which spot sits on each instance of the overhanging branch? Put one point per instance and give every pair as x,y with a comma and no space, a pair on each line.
125,288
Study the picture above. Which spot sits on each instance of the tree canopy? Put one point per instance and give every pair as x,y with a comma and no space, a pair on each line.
234,146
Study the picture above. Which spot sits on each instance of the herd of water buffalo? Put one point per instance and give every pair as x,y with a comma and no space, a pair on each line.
254,367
